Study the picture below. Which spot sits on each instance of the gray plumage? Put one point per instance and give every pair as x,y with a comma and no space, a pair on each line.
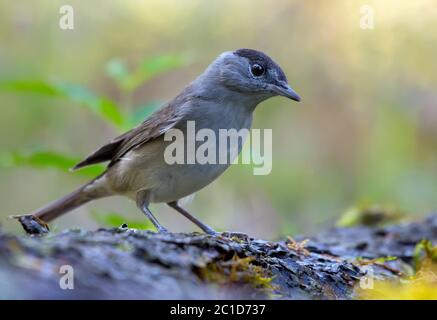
223,97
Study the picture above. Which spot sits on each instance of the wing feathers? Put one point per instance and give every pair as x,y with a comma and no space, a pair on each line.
153,127
103,154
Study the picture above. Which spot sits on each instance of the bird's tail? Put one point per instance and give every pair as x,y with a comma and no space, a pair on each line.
71,201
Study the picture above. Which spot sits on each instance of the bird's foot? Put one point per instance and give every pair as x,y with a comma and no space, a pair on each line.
210,231
162,230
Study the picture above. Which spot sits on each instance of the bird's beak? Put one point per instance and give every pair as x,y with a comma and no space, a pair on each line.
285,90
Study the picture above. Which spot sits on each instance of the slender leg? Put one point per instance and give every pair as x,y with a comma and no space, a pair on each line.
196,221
143,205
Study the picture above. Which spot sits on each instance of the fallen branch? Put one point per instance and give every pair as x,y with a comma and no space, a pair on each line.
126,263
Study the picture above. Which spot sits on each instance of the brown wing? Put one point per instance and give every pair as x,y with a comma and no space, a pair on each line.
153,127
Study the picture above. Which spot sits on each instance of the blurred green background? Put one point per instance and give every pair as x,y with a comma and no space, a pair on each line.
365,133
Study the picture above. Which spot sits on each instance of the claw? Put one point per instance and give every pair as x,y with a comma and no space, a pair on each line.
32,224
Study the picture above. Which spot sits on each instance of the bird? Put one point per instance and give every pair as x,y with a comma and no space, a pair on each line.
224,96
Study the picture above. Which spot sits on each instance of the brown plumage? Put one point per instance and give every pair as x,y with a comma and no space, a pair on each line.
153,127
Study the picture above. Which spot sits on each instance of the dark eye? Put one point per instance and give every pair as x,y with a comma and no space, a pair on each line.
257,70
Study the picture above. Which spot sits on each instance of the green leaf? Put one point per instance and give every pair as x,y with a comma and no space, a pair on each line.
117,69
140,113
112,219
36,86
152,67
104,107
46,159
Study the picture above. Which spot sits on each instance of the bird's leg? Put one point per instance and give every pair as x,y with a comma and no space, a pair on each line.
143,205
196,221
158,226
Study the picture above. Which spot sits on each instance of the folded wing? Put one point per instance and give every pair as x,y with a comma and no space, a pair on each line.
153,127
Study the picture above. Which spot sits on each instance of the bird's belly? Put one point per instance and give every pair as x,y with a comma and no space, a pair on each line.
146,169
179,181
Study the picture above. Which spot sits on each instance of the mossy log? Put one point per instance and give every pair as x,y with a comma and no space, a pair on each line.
124,263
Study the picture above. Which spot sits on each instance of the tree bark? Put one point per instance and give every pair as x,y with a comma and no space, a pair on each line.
124,263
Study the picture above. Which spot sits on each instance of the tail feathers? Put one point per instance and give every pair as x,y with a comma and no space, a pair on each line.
65,204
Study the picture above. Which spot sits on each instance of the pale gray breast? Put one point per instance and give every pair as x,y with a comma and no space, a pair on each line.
221,119
146,168
177,181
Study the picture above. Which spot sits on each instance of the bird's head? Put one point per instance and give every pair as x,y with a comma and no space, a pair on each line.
252,72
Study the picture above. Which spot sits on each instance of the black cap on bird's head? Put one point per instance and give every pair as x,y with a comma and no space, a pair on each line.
267,73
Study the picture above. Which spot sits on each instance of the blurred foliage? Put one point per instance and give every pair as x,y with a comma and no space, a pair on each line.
105,108
420,286
425,254
46,159
370,215
147,70
116,220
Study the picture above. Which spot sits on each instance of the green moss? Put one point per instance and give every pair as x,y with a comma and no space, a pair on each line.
424,253
237,270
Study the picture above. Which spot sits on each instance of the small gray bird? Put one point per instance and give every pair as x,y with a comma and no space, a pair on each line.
223,97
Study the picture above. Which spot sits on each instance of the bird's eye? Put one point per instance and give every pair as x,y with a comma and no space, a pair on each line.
257,70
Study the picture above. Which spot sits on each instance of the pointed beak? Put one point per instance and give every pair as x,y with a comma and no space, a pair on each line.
283,89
